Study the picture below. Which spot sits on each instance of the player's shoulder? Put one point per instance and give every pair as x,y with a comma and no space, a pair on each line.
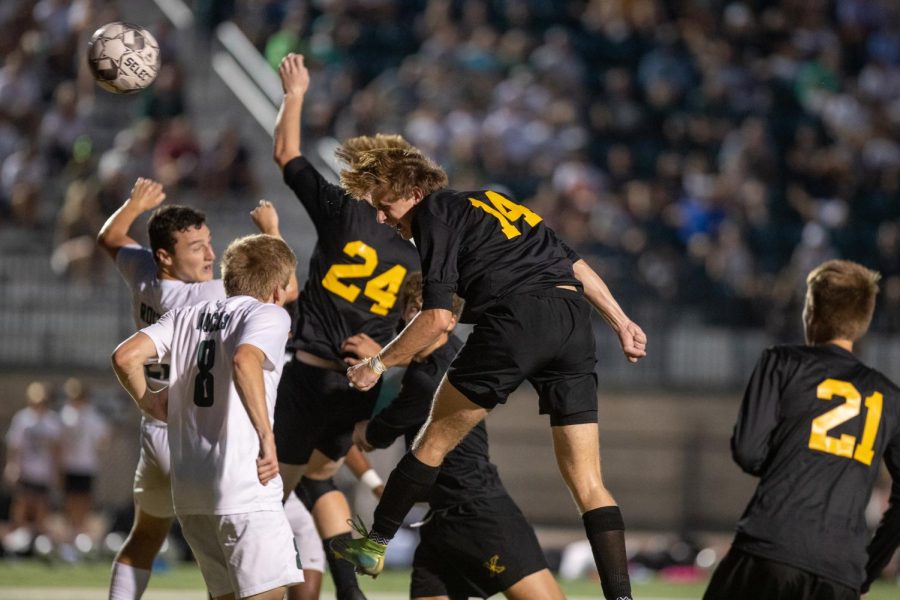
444,205
253,308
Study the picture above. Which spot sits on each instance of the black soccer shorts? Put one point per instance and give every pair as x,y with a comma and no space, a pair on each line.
316,409
742,576
545,337
476,549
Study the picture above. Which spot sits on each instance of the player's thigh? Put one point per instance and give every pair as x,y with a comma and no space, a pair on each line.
566,383
201,532
310,589
452,416
152,483
537,585
309,544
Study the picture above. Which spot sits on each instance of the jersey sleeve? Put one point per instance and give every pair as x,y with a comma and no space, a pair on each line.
162,333
136,265
573,256
438,246
758,415
16,431
321,199
405,413
887,536
267,328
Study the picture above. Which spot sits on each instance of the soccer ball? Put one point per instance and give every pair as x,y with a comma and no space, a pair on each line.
124,58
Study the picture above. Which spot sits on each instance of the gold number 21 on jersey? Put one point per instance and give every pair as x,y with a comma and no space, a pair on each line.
506,211
382,289
846,444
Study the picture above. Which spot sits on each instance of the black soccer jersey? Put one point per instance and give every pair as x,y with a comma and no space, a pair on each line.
467,472
355,270
483,246
814,425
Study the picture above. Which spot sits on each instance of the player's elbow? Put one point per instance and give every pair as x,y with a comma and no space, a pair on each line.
283,154
440,320
126,357
750,461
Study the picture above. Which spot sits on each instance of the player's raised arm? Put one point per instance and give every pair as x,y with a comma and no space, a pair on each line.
265,217
145,195
248,380
294,82
631,336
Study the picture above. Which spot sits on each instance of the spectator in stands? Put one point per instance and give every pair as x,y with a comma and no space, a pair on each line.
85,435
32,463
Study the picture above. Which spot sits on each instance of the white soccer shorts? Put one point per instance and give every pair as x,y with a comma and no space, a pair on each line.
245,553
312,554
152,486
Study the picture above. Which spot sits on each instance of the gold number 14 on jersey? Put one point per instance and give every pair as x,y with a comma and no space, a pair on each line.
506,211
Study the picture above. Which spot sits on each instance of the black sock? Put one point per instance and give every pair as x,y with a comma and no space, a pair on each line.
409,483
342,572
606,533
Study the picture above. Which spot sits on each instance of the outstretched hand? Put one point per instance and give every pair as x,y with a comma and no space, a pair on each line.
147,194
294,75
265,217
633,341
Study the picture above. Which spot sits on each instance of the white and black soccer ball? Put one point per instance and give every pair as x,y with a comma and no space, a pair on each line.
124,58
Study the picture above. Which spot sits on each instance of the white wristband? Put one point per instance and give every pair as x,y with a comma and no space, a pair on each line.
377,364
371,479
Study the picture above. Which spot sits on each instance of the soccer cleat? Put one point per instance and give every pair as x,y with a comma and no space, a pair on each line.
365,554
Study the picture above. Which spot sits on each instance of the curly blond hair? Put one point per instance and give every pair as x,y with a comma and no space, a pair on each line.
387,161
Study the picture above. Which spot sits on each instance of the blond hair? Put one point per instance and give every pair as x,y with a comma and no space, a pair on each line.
389,162
840,301
255,265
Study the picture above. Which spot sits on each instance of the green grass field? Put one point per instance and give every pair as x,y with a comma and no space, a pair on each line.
33,580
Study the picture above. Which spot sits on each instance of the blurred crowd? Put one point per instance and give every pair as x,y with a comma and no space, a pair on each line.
69,152
53,448
705,154
702,155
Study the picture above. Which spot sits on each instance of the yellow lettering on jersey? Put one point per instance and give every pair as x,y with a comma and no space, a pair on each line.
819,438
382,289
844,445
505,211
332,280
864,452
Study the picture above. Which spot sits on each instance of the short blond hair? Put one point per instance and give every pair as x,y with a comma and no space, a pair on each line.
390,162
255,265
840,301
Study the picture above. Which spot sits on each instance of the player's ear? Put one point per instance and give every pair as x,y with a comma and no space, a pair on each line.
279,295
163,258
417,195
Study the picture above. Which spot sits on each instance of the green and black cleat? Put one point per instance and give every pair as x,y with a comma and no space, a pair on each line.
365,554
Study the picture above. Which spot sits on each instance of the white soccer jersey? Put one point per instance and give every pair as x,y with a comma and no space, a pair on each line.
84,430
212,442
35,435
152,297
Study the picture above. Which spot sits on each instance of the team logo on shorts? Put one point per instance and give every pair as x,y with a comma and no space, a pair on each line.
492,566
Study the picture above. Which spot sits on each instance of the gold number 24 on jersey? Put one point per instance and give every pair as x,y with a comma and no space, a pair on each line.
506,212
846,444
382,289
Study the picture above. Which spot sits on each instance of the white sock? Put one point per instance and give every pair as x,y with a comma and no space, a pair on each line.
127,582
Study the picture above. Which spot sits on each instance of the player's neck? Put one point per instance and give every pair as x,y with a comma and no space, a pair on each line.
841,343
163,274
